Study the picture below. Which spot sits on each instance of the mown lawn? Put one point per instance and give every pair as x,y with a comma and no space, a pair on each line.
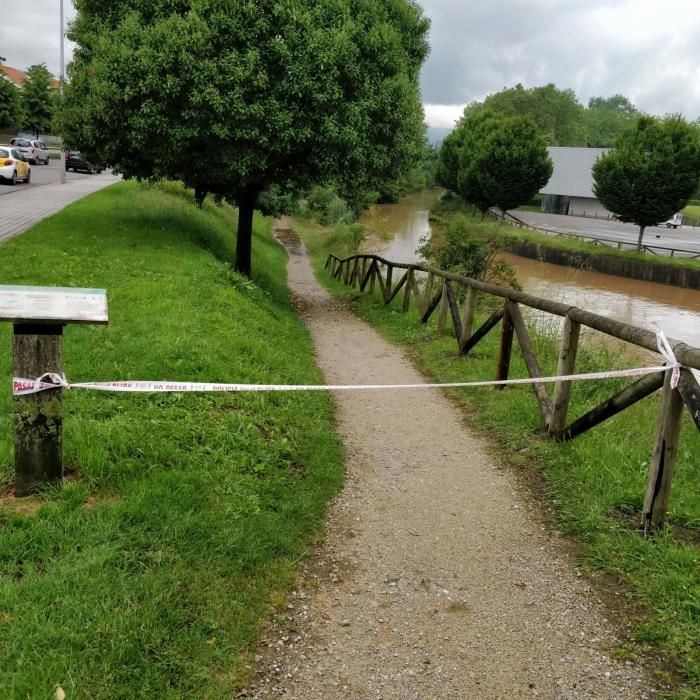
148,573
595,483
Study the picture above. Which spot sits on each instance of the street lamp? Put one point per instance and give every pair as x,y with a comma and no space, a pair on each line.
61,81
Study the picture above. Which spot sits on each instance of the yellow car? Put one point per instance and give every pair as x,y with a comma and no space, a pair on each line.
13,167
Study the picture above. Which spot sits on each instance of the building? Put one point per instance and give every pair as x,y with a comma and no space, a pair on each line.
18,77
570,189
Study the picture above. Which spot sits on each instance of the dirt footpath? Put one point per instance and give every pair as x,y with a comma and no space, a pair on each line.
434,580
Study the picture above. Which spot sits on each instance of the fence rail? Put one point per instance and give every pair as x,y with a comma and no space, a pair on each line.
439,293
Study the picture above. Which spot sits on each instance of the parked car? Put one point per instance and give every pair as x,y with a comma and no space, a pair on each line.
34,151
42,152
25,147
74,161
13,166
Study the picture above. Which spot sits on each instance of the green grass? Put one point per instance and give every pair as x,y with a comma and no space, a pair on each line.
147,575
596,483
693,210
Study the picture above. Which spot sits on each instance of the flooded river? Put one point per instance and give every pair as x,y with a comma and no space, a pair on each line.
647,304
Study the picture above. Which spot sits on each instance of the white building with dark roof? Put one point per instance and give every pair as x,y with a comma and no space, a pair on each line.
570,189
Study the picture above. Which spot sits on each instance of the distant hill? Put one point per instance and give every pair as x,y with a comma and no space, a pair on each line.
437,133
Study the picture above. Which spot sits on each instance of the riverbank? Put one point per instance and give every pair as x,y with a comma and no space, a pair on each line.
570,252
622,265
183,517
592,487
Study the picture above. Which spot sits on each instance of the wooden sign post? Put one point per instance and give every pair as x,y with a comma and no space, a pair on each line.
39,315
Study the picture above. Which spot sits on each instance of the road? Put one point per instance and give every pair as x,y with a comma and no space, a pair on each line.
682,238
42,175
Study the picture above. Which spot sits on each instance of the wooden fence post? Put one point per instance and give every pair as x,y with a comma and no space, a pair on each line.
444,308
663,460
506,348
373,277
409,288
38,348
530,358
468,317
566,365
389,281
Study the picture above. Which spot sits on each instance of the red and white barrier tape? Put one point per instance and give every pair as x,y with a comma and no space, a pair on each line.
51,380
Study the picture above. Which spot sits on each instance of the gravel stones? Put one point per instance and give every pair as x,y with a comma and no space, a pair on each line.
434,580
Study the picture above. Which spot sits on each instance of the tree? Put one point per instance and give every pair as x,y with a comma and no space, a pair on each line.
512,163
37,101
557,113
491,160
607,118
448,159
234,96
10,105
651,173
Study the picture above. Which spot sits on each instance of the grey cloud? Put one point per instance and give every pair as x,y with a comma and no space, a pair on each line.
595,47
30,33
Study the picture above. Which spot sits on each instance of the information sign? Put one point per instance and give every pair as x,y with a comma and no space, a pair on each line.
47,304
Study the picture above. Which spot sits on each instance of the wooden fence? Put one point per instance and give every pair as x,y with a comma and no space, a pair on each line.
438,294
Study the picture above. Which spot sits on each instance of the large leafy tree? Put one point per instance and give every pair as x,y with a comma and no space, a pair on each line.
512,163
651,173
557,113
10,105
607,118
37,100
492,160
234,96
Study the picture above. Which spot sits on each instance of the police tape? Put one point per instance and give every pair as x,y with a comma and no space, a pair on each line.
53,380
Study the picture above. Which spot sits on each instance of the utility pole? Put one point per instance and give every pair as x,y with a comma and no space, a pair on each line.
62,78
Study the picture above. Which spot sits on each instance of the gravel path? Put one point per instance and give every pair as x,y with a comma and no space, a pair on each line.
435,580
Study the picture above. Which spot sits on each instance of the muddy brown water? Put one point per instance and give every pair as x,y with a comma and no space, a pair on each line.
649,305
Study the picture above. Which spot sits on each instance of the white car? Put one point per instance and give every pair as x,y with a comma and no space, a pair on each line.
34,151
674,222
41,154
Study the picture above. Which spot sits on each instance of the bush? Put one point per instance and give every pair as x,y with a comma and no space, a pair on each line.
347,237
328,207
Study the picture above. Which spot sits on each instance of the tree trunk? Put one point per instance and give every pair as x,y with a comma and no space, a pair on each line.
639,240
246,207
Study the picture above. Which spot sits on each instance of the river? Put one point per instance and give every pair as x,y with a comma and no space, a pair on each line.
646,304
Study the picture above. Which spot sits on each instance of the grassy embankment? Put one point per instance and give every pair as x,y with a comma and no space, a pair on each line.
148,573
506,235
535,204
595,484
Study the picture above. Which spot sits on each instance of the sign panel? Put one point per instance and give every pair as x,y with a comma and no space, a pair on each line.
62,304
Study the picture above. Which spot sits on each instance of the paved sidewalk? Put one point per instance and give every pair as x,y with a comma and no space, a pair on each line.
24,208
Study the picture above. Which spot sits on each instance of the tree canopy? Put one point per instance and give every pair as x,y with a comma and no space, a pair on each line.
557,114
10,105
560,118
651,173
234,96
37,100
606,119
492,160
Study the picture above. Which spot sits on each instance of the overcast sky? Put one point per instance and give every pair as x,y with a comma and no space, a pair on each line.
647,50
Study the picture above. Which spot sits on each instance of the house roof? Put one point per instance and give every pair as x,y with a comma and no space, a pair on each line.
17,77
572,175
